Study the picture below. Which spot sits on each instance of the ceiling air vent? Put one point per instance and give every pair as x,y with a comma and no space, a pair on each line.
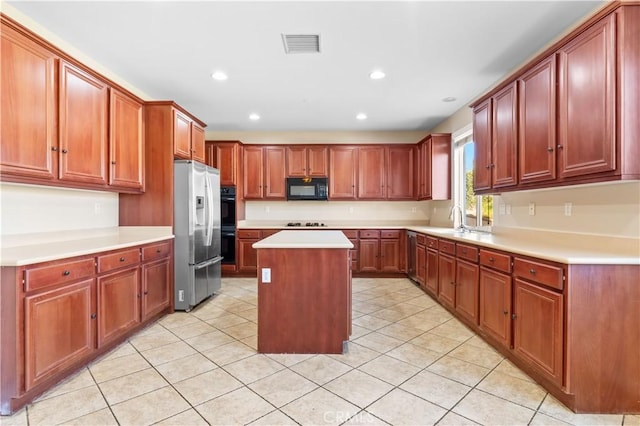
301,43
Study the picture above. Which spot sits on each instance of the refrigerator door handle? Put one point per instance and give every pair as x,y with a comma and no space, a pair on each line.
210,216
209,262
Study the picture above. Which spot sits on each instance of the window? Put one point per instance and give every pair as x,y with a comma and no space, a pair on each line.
477,209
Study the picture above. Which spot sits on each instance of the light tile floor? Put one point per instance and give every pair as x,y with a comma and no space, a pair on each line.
409,363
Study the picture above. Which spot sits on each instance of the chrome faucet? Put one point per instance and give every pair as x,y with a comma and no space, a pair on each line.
458,224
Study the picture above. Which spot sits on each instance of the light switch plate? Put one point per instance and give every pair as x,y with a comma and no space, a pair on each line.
532,209
266,275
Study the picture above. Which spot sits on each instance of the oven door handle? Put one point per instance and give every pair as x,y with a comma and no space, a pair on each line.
228,198
228,234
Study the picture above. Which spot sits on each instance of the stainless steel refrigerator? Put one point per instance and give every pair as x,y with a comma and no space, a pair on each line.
197,233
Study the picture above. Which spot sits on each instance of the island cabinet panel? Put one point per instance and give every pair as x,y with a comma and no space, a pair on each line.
586,99
305,308
118,304
126,141
83,126
495,305
537,122
343,172
59,330
28,113
371,173
538,335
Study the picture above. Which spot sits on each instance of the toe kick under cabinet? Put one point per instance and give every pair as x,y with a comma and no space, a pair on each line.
59,315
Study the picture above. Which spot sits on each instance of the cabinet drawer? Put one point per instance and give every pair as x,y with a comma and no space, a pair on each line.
432,243
543,273
369,233
499,261
156,251
448,247
118,260
268,232
59,273
350,233
464,251
249,233
421,240
390,234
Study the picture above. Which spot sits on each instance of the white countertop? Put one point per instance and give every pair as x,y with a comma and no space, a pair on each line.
321,239
562,247
26,249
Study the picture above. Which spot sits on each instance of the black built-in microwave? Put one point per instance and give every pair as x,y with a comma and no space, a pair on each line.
307,188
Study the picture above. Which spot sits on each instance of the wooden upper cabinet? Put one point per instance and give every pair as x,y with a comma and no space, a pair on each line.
307,161
224,156
400,175
371,173
482,137
274,172
126,141
587,101
253,173
83,126
197,143
343,166
504,157
181,135
440,166
537,122
28,110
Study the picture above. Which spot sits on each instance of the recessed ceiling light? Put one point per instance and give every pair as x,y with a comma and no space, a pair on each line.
448,99
377,75
219,75
254,117
361,116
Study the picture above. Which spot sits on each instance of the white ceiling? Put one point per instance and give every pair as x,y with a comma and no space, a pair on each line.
429,51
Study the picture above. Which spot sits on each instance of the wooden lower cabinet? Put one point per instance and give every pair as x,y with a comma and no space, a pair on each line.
495,305
247,255
538,325
156,293
59,330
390,255
369,255
421,266
431,281
447,280
118,304
466,289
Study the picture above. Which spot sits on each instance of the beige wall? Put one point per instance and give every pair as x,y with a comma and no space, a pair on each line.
455,122
324,137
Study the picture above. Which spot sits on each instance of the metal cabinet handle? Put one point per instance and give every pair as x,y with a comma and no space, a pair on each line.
513,316
122,259
550,149
113,162
65,273
452,283
532,271
491,259
93,316
146,292
505,312
559,146
54,148
158,250
64,151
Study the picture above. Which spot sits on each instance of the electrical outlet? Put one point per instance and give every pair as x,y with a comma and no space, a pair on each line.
96,208
266,275
414,210
568,209
350,210
507,209
502,209
267,209
532,209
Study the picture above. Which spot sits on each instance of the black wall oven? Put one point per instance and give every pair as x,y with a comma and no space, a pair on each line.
228,224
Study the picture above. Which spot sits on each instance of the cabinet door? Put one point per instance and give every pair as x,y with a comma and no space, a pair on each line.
197,143
83,126
118,304
371,173
317,161
252,170
369,255
400,176
482,138
467,290
423,154
126,143
587,107
537,122
538,328
495,305
226,160
440,165
390,255
181,135
421,265
28,108
504,155
59,330
274,172
297,161
247,255
156,286
431,282
343,164
447,279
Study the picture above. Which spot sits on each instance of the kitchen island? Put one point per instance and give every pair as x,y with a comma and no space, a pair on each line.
304,292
